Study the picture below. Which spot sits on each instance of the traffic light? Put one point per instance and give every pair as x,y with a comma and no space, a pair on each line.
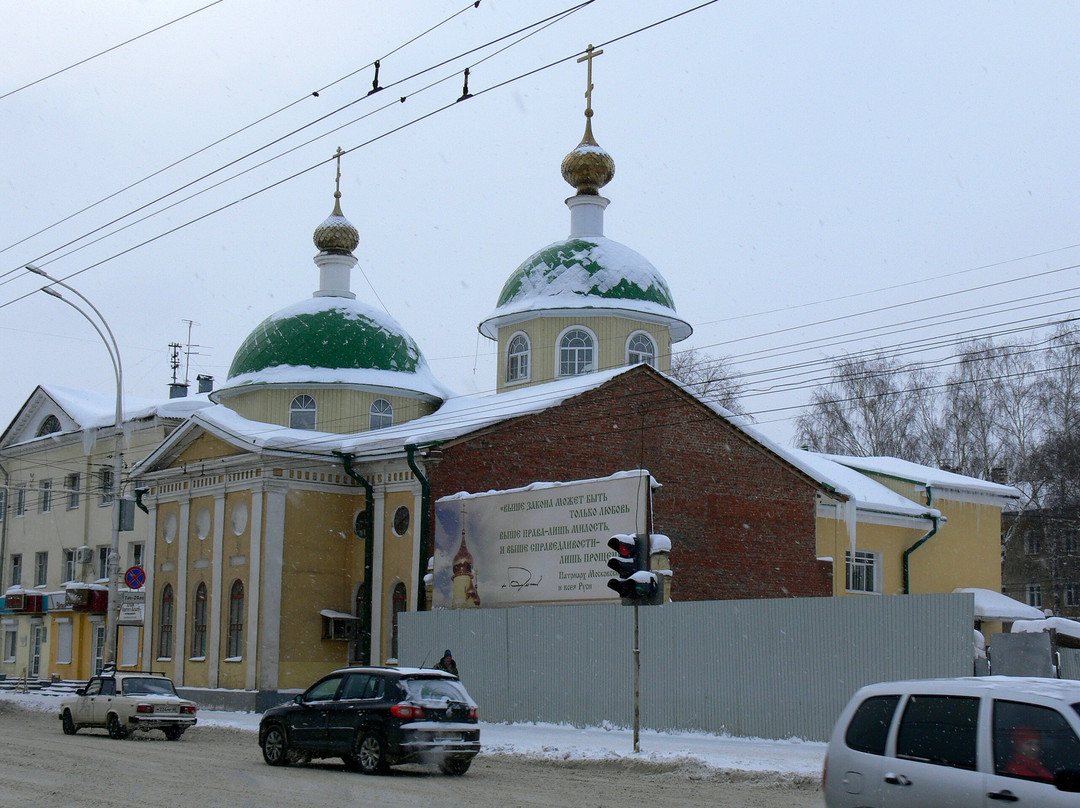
633,580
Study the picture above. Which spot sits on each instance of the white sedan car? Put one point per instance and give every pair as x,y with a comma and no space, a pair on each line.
123,702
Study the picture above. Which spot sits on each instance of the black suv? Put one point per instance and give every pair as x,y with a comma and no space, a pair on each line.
373,718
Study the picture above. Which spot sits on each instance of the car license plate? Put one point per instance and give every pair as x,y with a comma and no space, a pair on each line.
165,710
447,736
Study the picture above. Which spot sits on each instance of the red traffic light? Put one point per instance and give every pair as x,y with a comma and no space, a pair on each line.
623,544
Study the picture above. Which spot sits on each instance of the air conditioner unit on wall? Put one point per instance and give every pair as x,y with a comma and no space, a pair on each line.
84,555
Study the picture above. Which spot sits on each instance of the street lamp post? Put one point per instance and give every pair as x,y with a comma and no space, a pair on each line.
118,371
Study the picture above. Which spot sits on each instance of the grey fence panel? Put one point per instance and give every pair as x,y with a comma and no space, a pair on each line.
762,668
1070,663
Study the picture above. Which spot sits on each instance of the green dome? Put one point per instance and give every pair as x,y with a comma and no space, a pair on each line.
332,340
591,272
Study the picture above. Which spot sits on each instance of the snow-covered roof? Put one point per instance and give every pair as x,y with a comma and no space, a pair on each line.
925,475
1062,625
92,409
867,493
995,607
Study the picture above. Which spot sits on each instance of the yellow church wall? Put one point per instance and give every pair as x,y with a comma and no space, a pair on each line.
200,548
339,411
322,563
612,333
236,561
205,447
397,560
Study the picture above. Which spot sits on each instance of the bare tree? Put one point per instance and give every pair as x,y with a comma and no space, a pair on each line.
710,377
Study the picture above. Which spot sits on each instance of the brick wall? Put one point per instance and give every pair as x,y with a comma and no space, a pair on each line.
742,522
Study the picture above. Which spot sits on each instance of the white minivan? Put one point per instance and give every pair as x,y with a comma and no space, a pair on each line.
974,742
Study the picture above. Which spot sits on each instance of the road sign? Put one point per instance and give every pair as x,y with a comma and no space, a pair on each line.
132,607
135,577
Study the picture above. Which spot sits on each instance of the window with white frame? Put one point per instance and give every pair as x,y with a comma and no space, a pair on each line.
1071,594
45,496
71,485
576,353
862,570
41,568
69,565
640,349
1033,593
48,426
16,569
517,359
136,554
63,641
1032,543
20,500
106,477
302,412
382,414
11,642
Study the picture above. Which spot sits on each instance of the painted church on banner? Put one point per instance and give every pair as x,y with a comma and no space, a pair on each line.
332,482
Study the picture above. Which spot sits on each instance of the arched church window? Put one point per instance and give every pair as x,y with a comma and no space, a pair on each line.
198,623
641,349
165,623
48,426
234,646
382,413
576,353
302,412
517,359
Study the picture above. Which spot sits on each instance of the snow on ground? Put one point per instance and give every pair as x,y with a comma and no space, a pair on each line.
559,742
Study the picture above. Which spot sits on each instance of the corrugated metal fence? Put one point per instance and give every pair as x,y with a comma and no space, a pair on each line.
1070,663
756,668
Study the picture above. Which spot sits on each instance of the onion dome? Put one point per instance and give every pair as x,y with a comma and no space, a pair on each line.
336,235
588,168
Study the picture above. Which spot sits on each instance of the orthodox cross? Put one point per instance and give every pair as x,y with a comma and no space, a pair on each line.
590,53
337,180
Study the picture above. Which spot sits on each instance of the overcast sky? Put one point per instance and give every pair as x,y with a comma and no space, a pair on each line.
787,166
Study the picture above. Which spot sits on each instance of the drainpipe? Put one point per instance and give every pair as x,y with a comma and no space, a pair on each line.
139,494
920,542
425,508
369,553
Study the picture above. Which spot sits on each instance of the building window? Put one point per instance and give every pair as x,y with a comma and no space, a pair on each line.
69,565
41,568
16,569
136,554
234,647
862,569
106,477
1071,594
401,520
103,562
382,413
576,353
45,496
20,500
302,412
1072,542
640,349
198,623
48,426
360,525
399,604
517,359
1032,544
3,504
165,623
1033,592
64,637
71,485
11,642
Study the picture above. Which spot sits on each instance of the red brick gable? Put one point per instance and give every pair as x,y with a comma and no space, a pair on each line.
741,520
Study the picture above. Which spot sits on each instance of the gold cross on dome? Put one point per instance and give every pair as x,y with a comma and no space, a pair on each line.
337,180
590,54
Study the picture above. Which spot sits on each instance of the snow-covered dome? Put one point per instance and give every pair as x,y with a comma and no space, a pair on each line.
327,340
332,338
586,270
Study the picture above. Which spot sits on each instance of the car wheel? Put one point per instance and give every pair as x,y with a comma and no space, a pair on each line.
173,733
70,727
455,767
116,731
370,752
275,748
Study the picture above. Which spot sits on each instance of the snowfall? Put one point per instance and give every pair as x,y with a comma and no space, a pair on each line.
787,758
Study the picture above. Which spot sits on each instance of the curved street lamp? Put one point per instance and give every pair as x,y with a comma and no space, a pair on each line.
118,372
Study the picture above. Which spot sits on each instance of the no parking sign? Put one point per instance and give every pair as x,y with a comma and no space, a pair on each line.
135,577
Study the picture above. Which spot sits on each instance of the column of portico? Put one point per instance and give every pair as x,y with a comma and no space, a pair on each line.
180,619
253,591
270,620
378,516
219,596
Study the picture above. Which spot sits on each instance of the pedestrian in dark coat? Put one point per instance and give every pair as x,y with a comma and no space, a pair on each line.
447,663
